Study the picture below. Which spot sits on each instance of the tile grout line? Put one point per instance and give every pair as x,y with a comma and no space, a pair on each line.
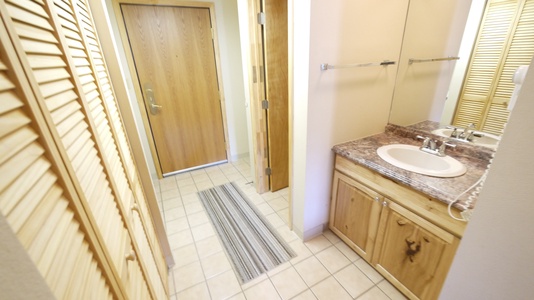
241,179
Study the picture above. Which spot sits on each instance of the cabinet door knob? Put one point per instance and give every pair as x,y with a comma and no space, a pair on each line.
130,256
135,207
401,222
377,199
384,203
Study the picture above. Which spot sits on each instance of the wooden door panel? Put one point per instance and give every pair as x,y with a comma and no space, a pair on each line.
410,252
357,209
413,253
353,214
175,63
276,73
257,90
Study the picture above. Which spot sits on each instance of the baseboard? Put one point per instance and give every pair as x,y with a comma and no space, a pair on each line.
310,233
237,157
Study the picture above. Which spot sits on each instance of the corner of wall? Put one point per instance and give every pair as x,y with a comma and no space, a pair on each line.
494,259
299,43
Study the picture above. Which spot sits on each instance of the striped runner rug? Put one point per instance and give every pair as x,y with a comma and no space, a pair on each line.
252,244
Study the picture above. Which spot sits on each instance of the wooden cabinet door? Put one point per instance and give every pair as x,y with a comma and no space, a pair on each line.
412,253
355,213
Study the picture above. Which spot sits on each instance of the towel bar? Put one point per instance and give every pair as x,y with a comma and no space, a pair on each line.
383,63
415,60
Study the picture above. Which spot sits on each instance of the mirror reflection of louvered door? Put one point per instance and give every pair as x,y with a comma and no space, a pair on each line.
505,42
69,189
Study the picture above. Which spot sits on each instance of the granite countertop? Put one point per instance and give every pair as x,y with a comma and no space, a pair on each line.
363,152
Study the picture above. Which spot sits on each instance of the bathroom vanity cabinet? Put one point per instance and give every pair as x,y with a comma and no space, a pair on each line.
406,236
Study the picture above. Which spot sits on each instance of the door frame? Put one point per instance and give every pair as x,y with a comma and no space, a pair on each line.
251,36
135,79
256,83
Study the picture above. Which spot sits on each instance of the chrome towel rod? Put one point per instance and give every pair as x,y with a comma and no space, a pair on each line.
414,60
383,63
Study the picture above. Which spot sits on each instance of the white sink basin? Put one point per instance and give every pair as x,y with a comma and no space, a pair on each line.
412,159
488,140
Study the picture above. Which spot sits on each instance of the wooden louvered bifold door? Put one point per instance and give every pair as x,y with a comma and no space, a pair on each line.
59,52
90,68
124,162
40,207
505,42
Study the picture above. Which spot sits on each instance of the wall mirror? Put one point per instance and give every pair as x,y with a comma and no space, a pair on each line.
450,92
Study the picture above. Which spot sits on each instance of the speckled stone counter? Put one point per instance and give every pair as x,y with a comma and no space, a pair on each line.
363,152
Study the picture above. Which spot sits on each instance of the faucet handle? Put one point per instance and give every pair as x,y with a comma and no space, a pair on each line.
454,133
445,144
425,139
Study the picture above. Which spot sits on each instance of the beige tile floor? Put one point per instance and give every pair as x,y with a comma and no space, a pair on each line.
325,267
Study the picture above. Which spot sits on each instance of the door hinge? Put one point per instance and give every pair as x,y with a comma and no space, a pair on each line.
261,18
268,171
265,104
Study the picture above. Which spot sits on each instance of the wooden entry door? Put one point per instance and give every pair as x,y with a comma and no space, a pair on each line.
174,56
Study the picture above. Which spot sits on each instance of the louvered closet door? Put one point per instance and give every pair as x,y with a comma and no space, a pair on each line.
32,194
62,100
85,51
124,167
505,41
69,77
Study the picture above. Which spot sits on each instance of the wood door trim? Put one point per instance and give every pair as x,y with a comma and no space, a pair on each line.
131,67
257,94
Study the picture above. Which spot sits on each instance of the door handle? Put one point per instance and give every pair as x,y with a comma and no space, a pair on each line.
155,106
149,95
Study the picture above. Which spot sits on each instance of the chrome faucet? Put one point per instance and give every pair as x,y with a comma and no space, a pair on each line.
468,133
430,146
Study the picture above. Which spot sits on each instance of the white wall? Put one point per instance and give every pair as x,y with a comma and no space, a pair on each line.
232,77
299,45
495,258
335,106
19,277
242,11
433,30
